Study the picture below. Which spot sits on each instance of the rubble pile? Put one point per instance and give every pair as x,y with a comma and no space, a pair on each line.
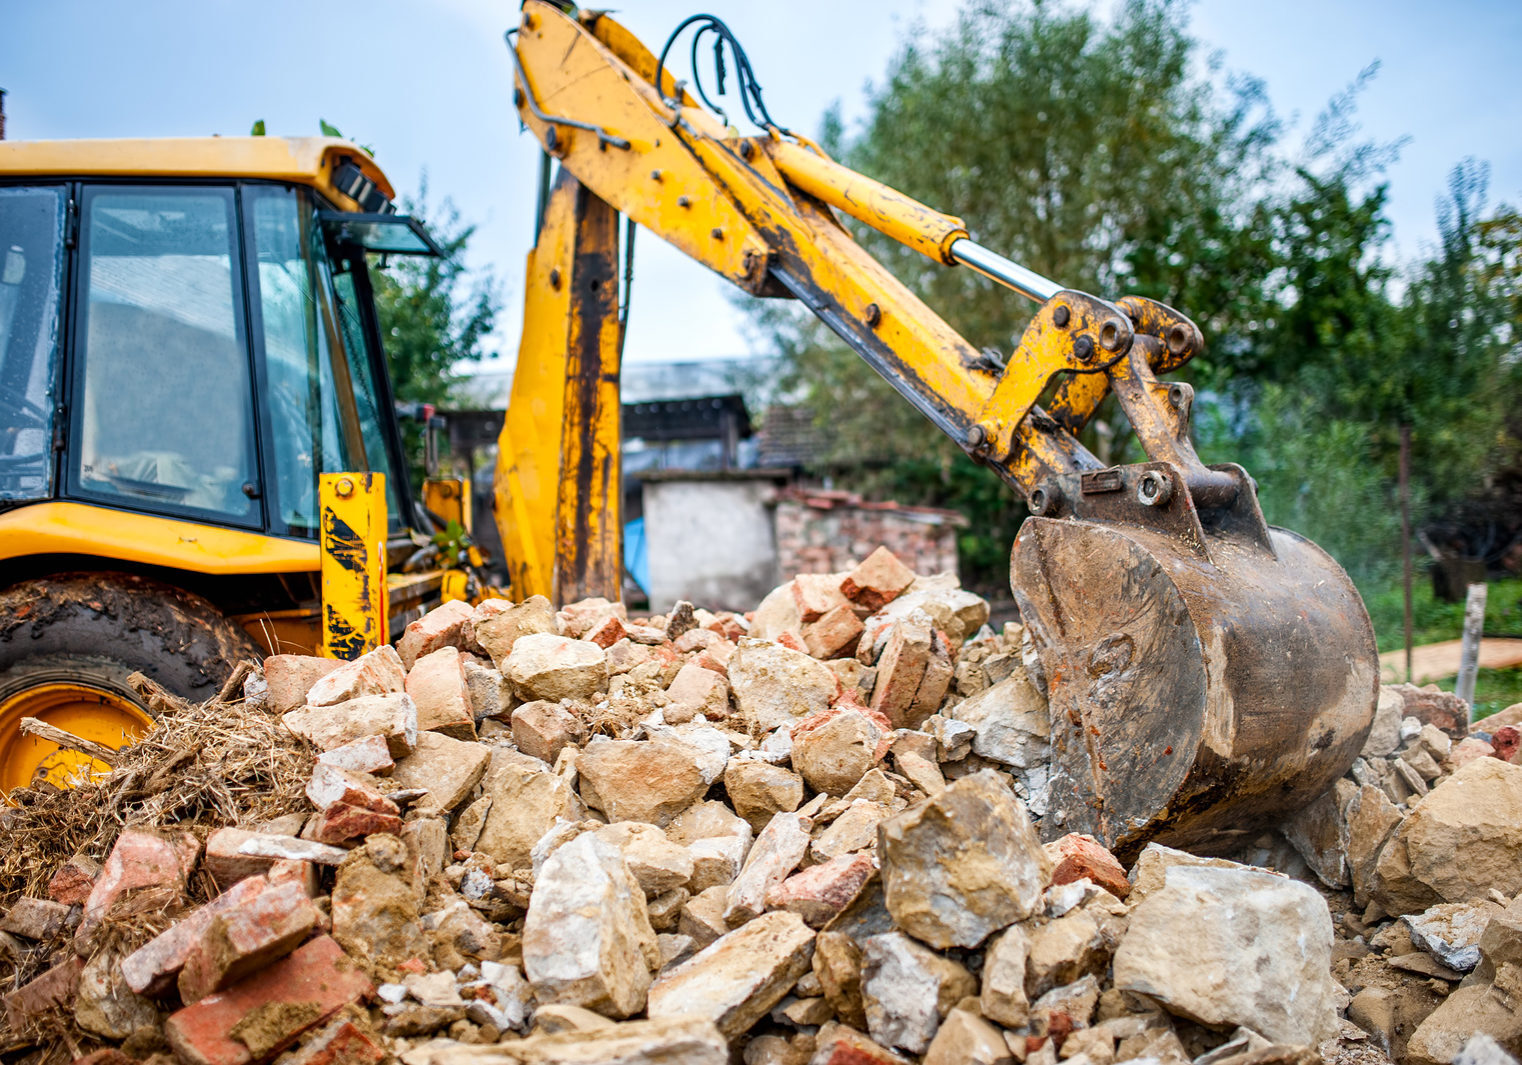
806,835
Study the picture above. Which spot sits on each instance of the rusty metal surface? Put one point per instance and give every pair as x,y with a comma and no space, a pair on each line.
1207,674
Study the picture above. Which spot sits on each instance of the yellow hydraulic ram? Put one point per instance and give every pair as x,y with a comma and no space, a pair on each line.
1205,673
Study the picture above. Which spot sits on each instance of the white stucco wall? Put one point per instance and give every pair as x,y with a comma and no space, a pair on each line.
710,542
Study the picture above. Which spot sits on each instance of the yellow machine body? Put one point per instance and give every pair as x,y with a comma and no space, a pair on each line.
254,588
1205,673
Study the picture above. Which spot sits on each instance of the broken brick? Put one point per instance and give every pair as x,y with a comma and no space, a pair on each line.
817,594
145,871
369,754
226,863
607,632
52,989
834,633
542,729
256,1019
821,891
35,918
341,822
72,882
443,626
290,677
153,967
378,672
241,939
340,1042
437,686
901,669
330,786
879,579
1077,856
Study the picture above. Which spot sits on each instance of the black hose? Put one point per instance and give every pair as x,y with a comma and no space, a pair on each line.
749,89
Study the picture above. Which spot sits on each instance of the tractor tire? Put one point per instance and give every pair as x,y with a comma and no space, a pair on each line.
67,646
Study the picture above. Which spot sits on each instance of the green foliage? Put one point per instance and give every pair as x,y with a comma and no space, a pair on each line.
1052,132
1494,690
452,543
1108,155
1433,620
434,313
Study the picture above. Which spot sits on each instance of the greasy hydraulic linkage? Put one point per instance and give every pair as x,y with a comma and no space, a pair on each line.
1206,672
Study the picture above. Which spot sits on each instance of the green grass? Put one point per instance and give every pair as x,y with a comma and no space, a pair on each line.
1433,621
1494,690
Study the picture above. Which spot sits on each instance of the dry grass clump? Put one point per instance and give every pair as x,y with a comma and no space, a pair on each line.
203,766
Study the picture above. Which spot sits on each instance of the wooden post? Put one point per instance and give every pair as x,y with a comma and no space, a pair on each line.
1405,535
1469,656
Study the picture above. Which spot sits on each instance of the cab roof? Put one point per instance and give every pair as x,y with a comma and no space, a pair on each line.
302,160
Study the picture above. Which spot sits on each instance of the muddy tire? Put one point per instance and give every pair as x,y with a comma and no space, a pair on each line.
68,644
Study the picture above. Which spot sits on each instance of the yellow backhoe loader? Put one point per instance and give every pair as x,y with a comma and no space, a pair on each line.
1206,672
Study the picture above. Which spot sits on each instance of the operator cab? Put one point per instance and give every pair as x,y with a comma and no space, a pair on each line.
195,346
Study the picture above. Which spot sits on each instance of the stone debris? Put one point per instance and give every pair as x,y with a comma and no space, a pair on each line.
809,836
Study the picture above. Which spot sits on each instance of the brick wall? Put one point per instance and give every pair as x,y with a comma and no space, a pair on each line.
830,531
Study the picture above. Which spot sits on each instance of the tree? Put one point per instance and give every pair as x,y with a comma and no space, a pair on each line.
434,313
1090,150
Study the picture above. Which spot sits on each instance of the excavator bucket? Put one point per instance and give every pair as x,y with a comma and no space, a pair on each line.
1206,674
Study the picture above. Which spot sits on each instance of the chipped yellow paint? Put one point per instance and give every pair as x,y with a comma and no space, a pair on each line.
355,594
558,488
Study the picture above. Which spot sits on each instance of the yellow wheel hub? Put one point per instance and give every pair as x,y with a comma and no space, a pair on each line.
84,710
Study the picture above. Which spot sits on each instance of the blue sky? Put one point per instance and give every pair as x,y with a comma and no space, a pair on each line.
429,86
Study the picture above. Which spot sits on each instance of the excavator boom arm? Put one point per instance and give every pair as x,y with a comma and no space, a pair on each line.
1204,672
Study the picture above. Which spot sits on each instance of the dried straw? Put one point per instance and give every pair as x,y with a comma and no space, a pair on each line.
218,763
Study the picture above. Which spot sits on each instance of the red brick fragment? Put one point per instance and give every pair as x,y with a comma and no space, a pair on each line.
841,1045
791,642
877,581
816,595
437,685
821,891
256,1019
146,871
1504,741
342,822
443,626
1077,856
72,882
290,677
834,634
607,632
52,989
330,785
152,968
1432,706
342,1042
900,670
242,939
223,861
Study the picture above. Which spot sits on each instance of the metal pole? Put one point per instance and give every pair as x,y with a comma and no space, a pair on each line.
2,114
1005,271
1405,533
1469,658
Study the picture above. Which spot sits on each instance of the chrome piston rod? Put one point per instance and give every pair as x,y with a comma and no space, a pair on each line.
1010,274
